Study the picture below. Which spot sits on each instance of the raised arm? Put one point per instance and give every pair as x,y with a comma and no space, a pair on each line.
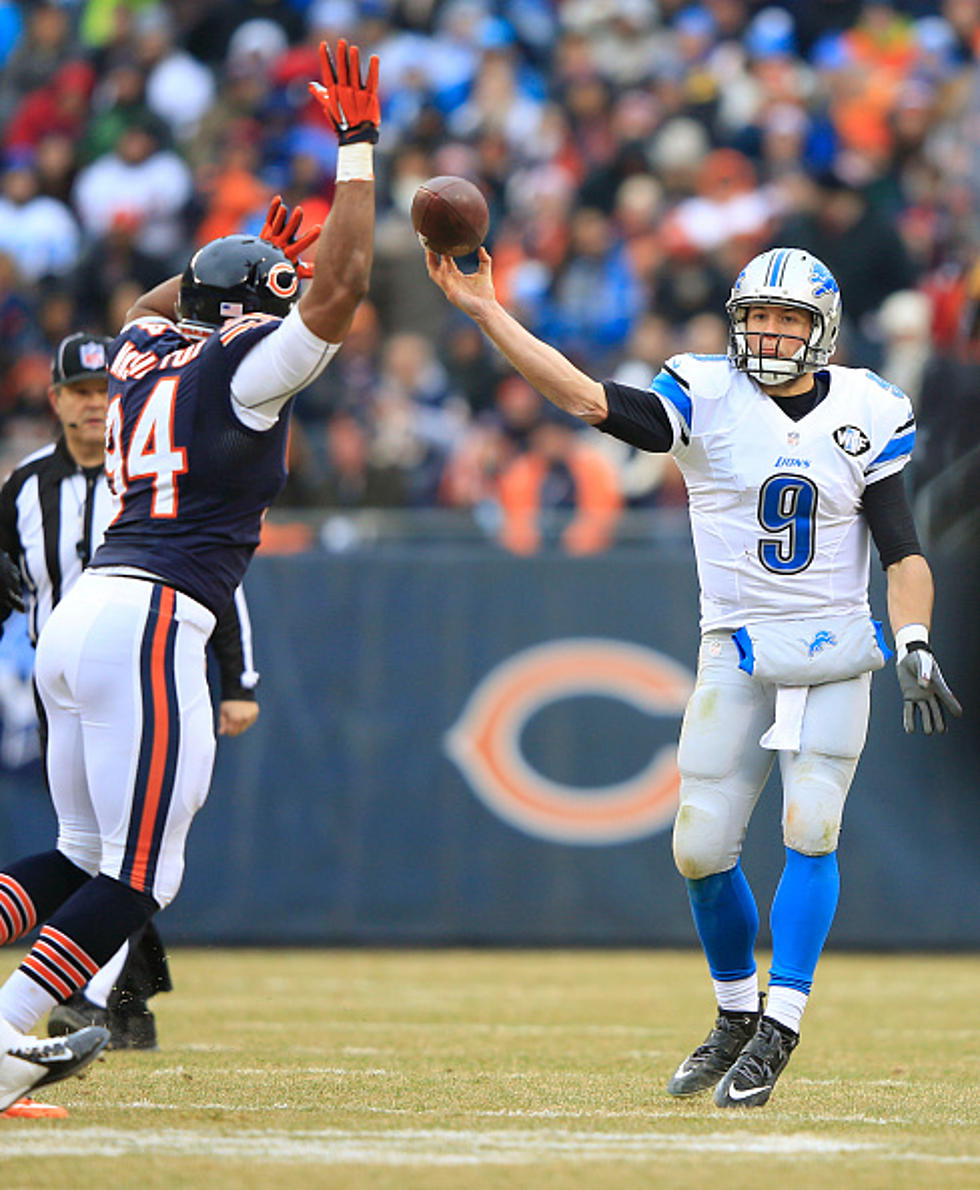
159,302
551,373
345,249
341,269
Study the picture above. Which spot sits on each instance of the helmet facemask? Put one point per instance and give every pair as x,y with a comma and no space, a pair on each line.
778,367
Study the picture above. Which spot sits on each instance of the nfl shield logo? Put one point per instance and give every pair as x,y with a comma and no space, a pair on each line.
92,356
793,439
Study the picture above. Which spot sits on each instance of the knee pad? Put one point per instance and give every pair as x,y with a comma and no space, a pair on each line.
815,788
706,837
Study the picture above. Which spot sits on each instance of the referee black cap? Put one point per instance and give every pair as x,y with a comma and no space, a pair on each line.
80,357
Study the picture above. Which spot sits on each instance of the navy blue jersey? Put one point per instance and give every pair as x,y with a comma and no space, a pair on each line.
192,481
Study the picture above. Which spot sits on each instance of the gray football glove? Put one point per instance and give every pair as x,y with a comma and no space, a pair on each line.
924,687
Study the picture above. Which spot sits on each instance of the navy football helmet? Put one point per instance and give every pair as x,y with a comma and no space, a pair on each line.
231,276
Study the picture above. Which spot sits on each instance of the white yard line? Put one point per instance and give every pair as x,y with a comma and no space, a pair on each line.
692,1111
433,1146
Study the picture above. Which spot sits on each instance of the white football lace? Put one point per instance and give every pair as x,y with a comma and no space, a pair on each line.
40,1050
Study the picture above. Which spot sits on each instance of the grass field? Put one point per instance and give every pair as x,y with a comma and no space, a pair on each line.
483,1069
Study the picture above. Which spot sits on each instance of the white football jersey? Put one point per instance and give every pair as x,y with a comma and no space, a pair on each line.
775,503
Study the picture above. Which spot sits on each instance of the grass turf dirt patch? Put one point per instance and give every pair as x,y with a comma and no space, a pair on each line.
487,1069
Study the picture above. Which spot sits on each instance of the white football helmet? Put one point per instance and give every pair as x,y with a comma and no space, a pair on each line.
785,277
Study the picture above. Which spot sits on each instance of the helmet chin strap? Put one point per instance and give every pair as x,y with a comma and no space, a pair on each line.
772,383
768,375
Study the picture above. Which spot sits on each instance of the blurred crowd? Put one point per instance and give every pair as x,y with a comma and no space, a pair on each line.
634,154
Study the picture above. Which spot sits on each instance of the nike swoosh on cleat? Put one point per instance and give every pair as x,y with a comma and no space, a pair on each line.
736,1094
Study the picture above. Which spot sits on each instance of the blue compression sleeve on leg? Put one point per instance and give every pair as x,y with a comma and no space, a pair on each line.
802,912
727,922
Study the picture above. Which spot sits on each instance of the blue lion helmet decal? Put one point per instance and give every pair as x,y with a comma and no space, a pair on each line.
822,280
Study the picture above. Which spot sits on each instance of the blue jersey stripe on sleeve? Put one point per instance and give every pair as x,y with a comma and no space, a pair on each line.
899,445
666,387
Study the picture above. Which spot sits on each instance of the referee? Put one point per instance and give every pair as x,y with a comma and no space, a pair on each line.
54,509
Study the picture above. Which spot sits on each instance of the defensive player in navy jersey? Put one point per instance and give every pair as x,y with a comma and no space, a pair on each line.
54,509
201,379
792,465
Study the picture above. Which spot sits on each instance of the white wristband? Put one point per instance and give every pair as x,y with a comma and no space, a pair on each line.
355,163
905,635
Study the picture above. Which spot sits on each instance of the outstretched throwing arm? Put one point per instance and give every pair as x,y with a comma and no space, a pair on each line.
551,373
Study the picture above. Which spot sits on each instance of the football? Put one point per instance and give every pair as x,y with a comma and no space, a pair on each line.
450,216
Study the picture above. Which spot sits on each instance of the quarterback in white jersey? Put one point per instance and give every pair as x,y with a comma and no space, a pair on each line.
792,467
774,502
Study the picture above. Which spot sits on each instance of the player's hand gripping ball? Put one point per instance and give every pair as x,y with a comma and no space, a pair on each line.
450,216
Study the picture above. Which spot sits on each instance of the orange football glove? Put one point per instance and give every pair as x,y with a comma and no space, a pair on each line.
351,106
280,230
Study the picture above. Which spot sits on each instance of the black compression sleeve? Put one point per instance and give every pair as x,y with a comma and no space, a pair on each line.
229,652
889,516
636,416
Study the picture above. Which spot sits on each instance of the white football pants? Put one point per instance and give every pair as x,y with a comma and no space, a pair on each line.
724,768
122,675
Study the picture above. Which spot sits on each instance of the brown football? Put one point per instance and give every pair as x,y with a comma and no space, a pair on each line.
450,215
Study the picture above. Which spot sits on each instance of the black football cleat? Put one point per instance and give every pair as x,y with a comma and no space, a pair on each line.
750,1080
36,1061
130,1023
75,1013
715,1055
133,1027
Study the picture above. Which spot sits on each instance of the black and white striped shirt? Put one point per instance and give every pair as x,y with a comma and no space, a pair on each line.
53,514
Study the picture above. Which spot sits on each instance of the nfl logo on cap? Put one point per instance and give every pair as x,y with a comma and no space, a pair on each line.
91,356
80,357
